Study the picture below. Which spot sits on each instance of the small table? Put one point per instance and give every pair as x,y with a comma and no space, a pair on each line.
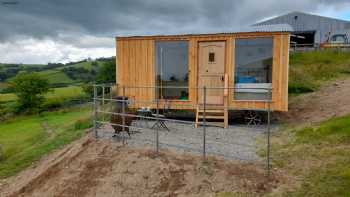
160,123
144,113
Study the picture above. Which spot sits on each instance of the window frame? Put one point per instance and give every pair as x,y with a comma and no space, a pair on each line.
262,85
155,69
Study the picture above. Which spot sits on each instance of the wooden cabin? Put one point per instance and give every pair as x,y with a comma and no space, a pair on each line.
246,63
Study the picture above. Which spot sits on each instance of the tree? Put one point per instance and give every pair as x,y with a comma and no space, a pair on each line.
30,89
106,74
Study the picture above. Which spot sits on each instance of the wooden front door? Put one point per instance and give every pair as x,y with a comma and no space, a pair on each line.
211,71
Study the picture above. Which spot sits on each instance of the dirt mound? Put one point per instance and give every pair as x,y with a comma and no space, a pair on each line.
92,167
330,101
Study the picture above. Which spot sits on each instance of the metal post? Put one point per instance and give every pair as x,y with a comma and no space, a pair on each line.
103,102
95,111
110,97
268,131
123,112
157,130
204,121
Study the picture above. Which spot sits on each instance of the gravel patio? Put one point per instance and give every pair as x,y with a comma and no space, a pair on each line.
238,142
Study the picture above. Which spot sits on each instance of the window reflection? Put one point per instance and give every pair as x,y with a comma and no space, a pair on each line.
253,71
172,69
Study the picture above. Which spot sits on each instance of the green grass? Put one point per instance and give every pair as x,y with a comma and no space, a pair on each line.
66,92
308,70
27,138
333,131
53,76
319,156
7,97
87,65
56,76
69,92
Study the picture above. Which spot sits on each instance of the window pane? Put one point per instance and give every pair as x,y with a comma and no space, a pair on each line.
172,69
253,71
211,57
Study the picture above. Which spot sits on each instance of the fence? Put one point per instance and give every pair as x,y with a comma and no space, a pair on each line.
162,126
294,47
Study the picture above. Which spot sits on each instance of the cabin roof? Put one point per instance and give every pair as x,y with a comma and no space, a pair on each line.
275,28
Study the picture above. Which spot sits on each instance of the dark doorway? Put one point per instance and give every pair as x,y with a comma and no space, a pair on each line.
303,39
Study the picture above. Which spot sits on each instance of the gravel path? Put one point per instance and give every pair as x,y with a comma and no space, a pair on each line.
236,142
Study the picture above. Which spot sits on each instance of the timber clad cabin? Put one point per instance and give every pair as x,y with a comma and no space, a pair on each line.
248,63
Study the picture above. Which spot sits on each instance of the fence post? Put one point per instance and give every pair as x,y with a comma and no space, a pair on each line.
95,111
268,131
157,127
111,97
103,102
204,120
123,112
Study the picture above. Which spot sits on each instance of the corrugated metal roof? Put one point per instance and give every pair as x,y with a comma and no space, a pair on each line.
249,29
270,28
297,13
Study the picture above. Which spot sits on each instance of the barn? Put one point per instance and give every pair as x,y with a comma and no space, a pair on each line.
313,30
240,70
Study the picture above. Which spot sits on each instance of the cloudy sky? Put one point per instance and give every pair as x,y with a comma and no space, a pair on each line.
41,31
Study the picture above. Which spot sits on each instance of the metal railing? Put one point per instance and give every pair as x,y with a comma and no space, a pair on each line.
183,134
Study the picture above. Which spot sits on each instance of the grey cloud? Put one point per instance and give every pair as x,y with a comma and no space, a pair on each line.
91,23
47,18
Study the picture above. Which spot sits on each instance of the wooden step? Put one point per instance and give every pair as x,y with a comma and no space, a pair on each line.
216,124
211,117
212,110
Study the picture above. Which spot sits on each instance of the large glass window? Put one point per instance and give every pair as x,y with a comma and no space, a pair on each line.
172,69
253,71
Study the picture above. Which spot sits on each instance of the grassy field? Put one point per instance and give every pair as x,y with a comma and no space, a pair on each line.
56,76
87,65
27,138
66,92
308,70
3,85
69,92
319,156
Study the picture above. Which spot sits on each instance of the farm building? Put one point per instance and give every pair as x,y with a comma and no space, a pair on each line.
241,70
313,29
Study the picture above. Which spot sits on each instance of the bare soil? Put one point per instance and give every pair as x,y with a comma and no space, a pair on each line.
90,167
332,100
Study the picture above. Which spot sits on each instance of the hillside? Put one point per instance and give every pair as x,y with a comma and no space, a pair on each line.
312,148
59,75
310,151
316,158
311,70
331,100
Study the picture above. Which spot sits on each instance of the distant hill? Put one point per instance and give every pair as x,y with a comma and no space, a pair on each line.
58,74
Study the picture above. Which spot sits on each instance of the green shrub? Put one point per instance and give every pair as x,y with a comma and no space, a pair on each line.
30,89
54,103
5,111
107,72
88,89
